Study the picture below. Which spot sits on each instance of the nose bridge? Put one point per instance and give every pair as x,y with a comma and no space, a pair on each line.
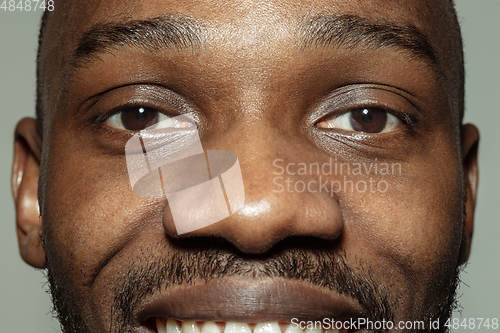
269,212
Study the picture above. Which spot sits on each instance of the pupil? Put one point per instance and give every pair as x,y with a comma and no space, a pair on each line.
142,115
366,117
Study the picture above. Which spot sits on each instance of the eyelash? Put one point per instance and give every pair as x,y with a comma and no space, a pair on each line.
101,118
412,122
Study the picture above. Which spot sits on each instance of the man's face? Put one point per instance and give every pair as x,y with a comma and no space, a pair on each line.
278,83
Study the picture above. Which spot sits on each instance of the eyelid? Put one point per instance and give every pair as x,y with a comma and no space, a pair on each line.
162,121
154,97
405,118
353,97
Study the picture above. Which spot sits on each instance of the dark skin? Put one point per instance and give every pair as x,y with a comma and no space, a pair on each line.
258,91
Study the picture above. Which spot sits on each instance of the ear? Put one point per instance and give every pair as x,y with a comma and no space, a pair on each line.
25,171
470,142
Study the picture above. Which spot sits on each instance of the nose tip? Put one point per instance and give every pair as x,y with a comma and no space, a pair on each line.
259,225
254,209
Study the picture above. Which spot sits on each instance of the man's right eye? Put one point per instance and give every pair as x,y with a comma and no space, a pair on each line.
139,118
364,120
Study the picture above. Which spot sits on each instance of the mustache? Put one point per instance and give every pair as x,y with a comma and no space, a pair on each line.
307,259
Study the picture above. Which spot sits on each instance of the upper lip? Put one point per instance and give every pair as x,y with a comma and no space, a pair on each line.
247,300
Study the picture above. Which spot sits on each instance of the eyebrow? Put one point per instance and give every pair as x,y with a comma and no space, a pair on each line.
353,31
168,32
153,35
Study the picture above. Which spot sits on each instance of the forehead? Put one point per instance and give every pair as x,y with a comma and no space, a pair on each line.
248,23
245,15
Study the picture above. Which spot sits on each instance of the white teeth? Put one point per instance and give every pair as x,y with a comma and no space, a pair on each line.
267,328
190,327
160,326
232,327
292,329
172,327
210,327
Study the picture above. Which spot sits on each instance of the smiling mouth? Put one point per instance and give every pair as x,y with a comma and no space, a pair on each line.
168,325
239,306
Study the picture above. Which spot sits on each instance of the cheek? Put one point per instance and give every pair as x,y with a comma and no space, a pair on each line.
92,211
417,222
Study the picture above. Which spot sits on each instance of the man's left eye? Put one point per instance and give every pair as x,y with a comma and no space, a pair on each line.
365,120
140,118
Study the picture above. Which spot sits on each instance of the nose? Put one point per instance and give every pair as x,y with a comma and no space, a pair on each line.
273,210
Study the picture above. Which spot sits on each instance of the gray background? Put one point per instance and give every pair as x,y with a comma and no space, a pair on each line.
24,304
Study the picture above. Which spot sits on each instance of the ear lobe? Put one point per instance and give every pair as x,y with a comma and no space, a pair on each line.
470,142
24,182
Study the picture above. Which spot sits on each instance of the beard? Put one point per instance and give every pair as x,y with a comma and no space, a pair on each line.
202,259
